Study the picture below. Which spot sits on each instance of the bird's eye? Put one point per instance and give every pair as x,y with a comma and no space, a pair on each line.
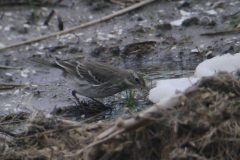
136,79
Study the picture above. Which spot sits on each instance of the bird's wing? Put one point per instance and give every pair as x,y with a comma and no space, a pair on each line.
97,73
94,72
41,61
69,67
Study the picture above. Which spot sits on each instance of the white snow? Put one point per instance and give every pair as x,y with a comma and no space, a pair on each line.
165,89
225,62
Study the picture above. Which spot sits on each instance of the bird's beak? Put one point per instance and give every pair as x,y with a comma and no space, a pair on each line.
144,87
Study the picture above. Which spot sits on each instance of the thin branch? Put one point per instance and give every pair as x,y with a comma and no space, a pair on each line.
12,84
220,32
9,67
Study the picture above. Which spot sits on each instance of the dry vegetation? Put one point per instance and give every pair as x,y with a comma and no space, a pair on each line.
202,123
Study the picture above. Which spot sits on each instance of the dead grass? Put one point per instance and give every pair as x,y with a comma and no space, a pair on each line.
202,123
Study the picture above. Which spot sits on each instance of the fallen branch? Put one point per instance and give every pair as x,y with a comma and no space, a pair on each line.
220,32
12,84
125,10
9,67
117,2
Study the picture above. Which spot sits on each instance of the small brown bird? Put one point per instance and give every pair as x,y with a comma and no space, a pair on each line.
94,79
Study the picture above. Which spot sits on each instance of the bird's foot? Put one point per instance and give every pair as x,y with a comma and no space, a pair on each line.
77,99
103,106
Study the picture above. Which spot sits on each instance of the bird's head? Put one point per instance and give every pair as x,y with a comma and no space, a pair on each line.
136,80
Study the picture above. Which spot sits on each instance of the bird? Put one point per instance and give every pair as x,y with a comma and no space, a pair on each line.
95,79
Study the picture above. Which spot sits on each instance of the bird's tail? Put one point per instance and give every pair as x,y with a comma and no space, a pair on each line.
41,61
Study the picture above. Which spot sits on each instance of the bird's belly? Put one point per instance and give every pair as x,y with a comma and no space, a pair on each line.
86,89
91,93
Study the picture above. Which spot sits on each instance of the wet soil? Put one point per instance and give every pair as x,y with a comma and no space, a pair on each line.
173,51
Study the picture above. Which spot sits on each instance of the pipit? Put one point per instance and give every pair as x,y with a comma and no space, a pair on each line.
94,79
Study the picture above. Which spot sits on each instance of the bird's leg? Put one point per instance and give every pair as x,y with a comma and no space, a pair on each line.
74,95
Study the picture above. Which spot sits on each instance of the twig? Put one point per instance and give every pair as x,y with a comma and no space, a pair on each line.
8,133
78,152
231,15
220,32
125,10
12,84
116,2
6,88
60,22
9,67
198,50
